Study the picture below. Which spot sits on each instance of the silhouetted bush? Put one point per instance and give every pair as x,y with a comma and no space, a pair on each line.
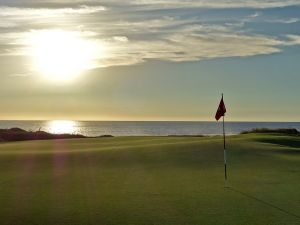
290,131
106,135
186,135
18,134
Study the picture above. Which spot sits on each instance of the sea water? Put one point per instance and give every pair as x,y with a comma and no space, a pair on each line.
142,128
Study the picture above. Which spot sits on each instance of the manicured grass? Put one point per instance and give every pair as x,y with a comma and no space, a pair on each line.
151,180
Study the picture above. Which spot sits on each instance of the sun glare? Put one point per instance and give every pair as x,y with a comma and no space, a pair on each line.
60,55
62,126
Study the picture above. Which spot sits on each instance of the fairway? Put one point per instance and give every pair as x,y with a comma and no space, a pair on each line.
151,181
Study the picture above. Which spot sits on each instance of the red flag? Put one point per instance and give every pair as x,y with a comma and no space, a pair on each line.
221,110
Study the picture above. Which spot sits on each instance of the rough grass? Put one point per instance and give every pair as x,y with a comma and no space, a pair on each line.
151,180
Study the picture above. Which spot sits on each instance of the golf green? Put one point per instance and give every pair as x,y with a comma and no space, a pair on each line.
151,181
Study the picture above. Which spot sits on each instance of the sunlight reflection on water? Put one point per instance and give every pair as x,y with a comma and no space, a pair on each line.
62,127
131,128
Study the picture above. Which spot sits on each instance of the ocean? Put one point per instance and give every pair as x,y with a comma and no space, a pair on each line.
153,128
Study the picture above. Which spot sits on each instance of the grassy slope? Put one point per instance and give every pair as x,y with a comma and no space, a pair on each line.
151,180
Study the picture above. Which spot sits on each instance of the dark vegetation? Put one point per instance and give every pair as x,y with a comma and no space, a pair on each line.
290,131
187,135
18,134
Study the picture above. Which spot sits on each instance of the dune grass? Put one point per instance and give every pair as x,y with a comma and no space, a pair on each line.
151,180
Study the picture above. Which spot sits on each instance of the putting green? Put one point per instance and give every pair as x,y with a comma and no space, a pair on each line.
151,180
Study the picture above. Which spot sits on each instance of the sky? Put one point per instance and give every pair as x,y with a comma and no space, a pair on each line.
149,59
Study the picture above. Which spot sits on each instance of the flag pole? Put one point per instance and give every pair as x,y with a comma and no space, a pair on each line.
225,159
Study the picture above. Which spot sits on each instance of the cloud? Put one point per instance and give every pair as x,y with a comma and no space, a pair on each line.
187,45
131,35
285,21
254,15
293,40
216,4
158,4
46,12
120,38
291,20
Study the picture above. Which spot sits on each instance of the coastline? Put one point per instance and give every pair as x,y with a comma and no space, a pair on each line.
19,134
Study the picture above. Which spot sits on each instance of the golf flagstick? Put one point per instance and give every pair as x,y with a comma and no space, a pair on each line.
221,113
225,159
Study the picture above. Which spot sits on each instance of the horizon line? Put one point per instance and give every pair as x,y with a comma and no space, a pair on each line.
232,121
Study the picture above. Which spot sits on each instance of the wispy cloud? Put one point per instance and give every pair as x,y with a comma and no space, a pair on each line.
132,35
254,15
293,40
284,21
216,4
190,44
162,3
46,12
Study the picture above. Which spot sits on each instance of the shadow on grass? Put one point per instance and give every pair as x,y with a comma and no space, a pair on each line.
288,142
263,202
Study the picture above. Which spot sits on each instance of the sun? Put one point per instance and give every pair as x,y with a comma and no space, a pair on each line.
61,55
